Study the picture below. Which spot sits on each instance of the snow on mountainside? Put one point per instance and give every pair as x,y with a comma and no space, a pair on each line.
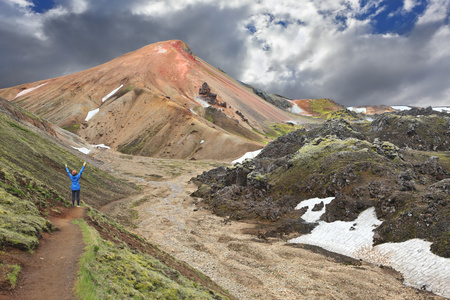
160,100
379,109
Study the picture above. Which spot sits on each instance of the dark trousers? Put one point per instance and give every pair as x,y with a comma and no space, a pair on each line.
76,194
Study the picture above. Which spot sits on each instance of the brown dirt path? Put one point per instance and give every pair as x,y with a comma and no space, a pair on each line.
50,272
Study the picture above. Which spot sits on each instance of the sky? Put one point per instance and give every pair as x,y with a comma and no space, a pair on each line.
364,52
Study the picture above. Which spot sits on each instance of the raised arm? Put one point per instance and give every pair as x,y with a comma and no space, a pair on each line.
67,170
82,169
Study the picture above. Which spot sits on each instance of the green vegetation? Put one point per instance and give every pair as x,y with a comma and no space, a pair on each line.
280,129
20,222
9,274
324,107
110,271
12,276
319,161
344,114
72,128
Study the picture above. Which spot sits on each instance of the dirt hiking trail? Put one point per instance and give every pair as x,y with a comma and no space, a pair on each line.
51,271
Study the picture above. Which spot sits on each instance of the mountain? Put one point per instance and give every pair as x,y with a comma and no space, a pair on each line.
160,100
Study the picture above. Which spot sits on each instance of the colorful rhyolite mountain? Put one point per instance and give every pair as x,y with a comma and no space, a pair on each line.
160,100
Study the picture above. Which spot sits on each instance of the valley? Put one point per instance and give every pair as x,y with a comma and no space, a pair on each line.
230,252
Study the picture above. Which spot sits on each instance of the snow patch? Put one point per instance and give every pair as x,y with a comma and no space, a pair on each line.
247,155
82,150
192,111
358,109
202,141
343,237
442,108
202,102
102,146
413,258
112,93
29,90
296,109
401,107
310,215
419,266
91,114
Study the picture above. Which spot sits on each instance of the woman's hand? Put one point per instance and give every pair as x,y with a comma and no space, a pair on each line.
84,164
66,165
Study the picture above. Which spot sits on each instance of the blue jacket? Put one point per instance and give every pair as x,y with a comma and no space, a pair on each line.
75,179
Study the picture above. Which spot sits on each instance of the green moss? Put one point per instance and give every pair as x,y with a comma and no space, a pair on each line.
323,107
344,114
316,165
280,129
109,271
20,222
11,274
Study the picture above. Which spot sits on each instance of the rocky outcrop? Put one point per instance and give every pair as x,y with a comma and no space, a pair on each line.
421,129
205,93
409,191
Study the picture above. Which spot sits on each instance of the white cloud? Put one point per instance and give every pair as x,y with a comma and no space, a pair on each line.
20,3
409,4
438,10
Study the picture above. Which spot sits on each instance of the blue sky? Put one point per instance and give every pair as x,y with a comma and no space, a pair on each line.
354,52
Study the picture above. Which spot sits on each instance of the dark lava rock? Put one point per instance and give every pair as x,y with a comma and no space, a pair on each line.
421,129
360,169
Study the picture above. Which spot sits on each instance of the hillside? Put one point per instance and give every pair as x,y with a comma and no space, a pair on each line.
160,100
35,208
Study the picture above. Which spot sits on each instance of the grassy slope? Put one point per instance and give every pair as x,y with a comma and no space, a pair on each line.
24,151
33,185
118,265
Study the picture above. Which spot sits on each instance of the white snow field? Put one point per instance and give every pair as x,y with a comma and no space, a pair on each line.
401,107
442,108
202,102
29,90
112,93
297,110
101,146
413,258
91,114
358,109
82,150
252,154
